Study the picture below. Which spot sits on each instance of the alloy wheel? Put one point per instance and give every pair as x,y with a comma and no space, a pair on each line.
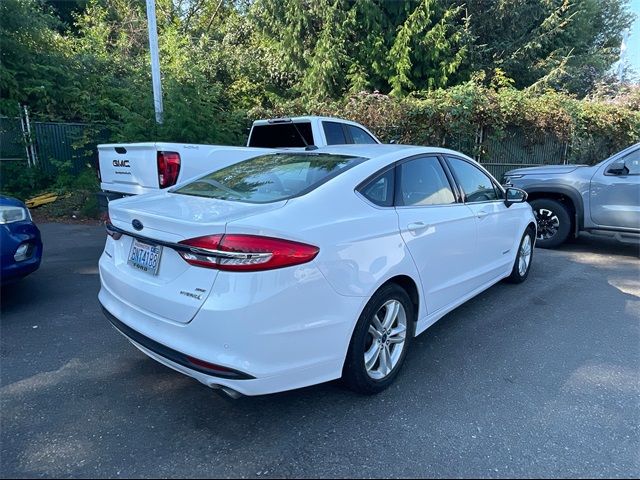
385,340
525,255
548,223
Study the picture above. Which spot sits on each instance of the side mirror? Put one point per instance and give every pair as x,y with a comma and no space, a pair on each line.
617,168
515,195
393,141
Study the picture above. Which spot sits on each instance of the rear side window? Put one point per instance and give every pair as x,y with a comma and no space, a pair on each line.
359,136
276,135
423,182
380,190
270,178
477,186
334,133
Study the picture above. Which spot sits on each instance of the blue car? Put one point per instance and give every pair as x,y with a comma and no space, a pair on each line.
19,239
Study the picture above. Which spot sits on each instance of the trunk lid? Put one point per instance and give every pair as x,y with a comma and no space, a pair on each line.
178,290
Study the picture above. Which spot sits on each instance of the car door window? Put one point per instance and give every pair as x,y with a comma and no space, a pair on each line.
423,182
334,133
475,184
359,136
380,189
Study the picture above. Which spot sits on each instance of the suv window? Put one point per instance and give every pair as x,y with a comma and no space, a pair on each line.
380,189
359,136
475,184
423,182
275,135
334,133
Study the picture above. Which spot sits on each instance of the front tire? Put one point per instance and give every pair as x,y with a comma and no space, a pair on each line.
380,341
522,265
554,222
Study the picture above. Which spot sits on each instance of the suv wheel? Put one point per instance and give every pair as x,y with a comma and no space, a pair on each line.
554,222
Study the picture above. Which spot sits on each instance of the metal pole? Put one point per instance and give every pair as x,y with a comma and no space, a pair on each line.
623,53
25,137
32,150
155,60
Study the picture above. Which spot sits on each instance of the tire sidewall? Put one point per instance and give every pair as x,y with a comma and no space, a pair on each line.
355,372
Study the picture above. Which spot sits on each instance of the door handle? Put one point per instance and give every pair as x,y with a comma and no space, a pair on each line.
481,214
415,226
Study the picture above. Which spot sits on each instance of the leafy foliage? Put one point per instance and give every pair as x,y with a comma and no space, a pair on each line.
453,117
446,68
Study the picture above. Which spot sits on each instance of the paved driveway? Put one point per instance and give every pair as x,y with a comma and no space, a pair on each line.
537,380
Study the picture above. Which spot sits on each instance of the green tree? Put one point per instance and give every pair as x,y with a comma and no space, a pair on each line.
548,43
34,68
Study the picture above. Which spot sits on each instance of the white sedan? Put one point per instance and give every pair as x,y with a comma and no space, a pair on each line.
292,269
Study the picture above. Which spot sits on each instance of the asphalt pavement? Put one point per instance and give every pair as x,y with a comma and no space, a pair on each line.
534,380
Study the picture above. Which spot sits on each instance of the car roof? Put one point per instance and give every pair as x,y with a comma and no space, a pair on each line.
305,118
378,150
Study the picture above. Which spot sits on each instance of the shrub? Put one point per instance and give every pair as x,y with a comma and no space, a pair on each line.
458,117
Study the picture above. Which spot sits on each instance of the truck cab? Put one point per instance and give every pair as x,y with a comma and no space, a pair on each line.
302,132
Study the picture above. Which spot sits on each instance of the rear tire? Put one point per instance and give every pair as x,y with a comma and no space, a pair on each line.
554,222
364,371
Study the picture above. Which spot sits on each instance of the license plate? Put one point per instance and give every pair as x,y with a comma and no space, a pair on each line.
145,257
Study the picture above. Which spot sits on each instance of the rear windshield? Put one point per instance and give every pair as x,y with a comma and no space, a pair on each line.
270,178
276,135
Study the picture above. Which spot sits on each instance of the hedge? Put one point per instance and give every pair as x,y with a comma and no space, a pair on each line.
463,117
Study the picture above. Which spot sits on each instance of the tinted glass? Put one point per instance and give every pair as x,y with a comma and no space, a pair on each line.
423,182
334,133
275,135
477,186
269,178
380,189
359,135
632,162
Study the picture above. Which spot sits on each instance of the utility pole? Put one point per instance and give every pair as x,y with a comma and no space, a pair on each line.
155,60
623,53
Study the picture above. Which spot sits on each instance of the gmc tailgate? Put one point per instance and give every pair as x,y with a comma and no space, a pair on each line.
128,168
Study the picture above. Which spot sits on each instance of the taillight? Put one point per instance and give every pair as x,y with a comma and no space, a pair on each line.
168,168
110,230
246,253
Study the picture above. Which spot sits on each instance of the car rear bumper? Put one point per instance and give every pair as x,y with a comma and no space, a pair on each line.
168,354
280,332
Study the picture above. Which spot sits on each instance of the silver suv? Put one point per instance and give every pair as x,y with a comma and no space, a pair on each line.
567,199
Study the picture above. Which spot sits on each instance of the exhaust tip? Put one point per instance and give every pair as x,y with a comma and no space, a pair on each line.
231,393
226,391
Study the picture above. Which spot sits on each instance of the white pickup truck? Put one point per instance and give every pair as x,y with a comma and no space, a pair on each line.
135,168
